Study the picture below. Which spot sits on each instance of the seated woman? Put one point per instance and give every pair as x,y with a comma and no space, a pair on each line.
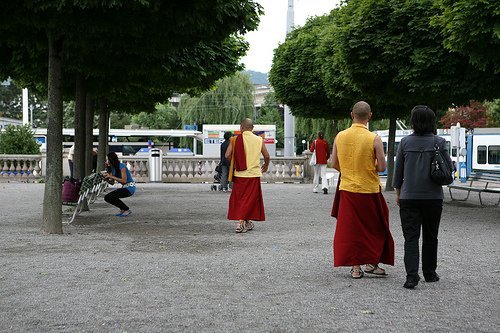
118,172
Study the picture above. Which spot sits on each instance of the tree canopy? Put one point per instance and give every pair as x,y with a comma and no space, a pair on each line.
473,29
296,74
470,116
396,57
164,117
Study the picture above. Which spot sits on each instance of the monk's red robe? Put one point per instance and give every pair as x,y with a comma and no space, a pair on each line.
245,202
362,233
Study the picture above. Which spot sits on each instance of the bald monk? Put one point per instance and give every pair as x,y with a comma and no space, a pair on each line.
246,203
362,235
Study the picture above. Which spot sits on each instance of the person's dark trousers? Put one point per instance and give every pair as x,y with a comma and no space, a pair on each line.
416,215
115,196
70,162
224,176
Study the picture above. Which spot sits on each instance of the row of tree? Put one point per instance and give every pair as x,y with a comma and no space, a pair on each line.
394,54
125,55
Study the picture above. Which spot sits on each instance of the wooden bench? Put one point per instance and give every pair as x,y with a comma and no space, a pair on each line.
92,187
486,177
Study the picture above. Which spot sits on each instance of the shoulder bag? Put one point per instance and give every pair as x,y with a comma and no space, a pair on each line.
441,170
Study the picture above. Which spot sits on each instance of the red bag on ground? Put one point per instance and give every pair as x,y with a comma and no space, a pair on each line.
70,190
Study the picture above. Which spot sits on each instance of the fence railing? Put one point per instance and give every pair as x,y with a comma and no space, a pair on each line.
197,169
21,167
178,169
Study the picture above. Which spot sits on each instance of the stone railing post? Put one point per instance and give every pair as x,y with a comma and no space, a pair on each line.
21,167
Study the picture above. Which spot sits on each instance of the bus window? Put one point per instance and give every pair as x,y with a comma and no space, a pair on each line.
481,154
493,154
385,147
396,145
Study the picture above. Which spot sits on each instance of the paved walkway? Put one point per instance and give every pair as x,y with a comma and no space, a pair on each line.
176,264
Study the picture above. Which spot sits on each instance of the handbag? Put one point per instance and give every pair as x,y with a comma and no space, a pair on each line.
312,161
441,170
70,190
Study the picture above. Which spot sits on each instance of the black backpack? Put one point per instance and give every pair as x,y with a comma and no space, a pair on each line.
441,170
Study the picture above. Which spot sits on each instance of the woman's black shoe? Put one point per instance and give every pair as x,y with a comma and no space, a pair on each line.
433,278
410,283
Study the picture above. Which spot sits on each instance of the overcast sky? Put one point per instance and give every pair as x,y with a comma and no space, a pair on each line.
272,28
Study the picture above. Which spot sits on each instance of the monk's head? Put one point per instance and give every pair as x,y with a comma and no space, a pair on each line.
321,135
246,125
361,112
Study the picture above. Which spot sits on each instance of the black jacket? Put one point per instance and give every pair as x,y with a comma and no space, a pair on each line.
223,148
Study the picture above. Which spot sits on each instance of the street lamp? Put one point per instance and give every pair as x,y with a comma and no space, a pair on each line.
303,145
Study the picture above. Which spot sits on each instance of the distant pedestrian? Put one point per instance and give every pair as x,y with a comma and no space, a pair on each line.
224,162
119,172
454,170
71,157
94,160
322,150
420,200
246,202
362,234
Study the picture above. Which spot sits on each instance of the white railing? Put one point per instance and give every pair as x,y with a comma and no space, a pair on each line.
178,169
21,167
197,169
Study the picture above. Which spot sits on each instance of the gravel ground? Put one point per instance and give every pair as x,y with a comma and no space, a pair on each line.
176,265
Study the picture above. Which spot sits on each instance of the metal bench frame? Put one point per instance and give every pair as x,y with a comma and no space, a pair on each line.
88,195
478,176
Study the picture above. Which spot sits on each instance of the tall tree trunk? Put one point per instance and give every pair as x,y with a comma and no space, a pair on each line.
390,154
102,150
80,101
89,136
52,212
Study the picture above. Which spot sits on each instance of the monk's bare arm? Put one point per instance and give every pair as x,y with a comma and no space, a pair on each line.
381,163
335,157
265,154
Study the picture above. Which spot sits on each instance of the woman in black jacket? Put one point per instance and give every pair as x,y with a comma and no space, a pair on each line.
420,200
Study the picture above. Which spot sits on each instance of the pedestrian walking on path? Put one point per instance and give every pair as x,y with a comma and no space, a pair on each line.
322,151
246,202
420,200
224,162
362,234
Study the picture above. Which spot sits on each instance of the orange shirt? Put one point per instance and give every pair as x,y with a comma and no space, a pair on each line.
356,156
253,147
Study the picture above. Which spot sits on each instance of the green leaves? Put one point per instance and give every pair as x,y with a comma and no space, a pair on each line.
18,140
230,101
386,52
472,28
137,51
